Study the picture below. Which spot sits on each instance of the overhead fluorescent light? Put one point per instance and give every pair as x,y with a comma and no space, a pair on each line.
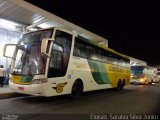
44,25
8,24
33,29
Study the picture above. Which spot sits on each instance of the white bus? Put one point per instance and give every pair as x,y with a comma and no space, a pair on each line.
143,75
53,62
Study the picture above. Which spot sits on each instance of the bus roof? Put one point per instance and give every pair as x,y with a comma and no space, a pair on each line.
102,46
113,51
53,20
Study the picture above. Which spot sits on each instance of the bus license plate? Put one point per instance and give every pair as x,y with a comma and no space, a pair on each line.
21,88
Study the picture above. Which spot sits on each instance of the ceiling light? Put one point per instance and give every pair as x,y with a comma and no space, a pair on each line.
8,24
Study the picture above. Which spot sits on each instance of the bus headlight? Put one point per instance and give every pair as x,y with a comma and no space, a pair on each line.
142,79
39,81
131,76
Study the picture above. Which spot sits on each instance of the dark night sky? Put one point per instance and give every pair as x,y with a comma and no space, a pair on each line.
131,26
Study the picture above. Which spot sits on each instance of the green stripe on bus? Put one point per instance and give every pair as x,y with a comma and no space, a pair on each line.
99,72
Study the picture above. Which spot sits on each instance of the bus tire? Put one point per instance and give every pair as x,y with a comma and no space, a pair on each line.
119,84
122,84
77,89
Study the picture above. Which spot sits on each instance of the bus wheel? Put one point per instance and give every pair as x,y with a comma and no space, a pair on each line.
123,84
77,89
119,85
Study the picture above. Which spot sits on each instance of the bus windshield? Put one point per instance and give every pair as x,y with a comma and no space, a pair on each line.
29,60
137,71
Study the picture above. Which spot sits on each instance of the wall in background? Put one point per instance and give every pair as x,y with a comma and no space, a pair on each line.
7,36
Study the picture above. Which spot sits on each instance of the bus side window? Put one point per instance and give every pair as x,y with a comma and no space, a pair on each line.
80,48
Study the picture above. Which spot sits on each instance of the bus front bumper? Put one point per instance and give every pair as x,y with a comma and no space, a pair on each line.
33,89
138,81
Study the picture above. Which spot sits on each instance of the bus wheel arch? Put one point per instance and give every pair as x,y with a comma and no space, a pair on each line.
77,88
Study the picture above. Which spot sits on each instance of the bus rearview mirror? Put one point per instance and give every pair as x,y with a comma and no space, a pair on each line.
8,50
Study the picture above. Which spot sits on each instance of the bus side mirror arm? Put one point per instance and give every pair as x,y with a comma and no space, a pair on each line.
45,46
4,50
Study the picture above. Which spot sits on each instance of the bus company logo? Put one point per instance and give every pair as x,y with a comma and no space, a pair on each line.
115,69
59,87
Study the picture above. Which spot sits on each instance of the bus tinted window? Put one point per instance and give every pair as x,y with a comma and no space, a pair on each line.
81,48
89,51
